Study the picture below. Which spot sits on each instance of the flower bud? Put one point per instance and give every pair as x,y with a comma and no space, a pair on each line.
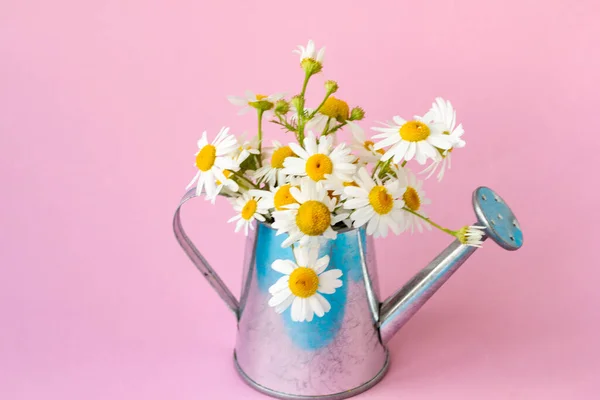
297,102
331,87
282,107
357,114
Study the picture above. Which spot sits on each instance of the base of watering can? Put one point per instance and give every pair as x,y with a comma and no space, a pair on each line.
335,396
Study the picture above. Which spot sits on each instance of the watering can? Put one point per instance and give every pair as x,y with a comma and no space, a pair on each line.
344,352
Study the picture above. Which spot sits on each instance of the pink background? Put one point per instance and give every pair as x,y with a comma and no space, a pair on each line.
101,104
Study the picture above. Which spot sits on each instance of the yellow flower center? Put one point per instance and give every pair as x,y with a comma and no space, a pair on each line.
303,282
414,131
369,146
411,199
283,197
280,155
381,201
249,209
336,109
206,157
346,184
317,166
313,218
261,96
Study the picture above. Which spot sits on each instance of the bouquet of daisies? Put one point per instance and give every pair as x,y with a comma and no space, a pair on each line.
313,186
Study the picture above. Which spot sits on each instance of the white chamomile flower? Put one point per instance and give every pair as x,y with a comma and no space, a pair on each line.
272,170
444,163
249,208
212,159
310,52
418,139
336,186
414,198
247,147
251,100
227,187
377,204
472,235
319,160
332,112
311,217
302,284
443,112
278,198
364,148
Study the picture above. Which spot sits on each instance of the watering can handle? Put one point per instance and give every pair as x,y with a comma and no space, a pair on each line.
198,259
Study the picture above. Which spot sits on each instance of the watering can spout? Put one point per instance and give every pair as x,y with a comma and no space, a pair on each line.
500,225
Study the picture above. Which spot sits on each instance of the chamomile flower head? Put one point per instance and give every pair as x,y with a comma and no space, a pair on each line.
277,198
271,172
311,217
249,208
247,148
414,199
318,160
440,165
471,235
417,138
251,100
376,204
336,187
442,112
227,187
311,60
303,284
334,111
364,148
212,159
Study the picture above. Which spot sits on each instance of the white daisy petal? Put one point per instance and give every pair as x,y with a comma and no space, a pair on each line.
297,310
324,303
281,284
284,266
316,306
321,264
279,298
284,305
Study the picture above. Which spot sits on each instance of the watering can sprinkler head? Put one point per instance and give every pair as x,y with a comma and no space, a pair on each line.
500,225
499,221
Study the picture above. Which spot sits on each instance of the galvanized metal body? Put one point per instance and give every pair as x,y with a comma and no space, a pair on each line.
342,353
328,356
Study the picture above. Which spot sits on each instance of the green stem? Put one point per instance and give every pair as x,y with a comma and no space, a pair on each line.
380,167
301,119
319,107
385,167
260,117
245,179
336,128
326,127
448,231
283,122
306,78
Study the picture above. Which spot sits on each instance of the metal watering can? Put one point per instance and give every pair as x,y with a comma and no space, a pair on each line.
343,353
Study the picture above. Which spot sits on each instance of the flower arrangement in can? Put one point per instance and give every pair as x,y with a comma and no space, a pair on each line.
308,185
